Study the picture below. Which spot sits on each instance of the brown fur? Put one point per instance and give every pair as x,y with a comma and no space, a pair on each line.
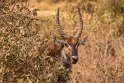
72,40
51,48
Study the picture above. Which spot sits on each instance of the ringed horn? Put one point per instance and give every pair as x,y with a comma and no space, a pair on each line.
63,34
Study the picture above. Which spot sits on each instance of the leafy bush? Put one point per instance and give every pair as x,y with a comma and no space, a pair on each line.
19,34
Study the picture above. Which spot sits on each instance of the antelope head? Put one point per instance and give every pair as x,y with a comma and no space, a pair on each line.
71,43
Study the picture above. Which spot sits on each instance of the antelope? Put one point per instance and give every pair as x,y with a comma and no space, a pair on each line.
67,48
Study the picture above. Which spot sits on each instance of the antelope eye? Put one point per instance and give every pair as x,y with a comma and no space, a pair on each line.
66,44
78,44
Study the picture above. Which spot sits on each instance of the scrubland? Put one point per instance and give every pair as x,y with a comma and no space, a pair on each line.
22,28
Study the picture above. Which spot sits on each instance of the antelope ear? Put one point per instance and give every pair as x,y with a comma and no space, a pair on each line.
82,42
59,41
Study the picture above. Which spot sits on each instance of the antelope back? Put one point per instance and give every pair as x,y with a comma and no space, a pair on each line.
50,48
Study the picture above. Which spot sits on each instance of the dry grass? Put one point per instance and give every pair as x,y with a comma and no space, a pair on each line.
101,59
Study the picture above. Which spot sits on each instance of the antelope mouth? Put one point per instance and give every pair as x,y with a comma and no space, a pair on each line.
74,60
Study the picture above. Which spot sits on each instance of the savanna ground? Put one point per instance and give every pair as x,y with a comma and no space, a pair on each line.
24,24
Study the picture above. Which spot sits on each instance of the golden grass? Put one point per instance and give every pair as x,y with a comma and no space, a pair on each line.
101,59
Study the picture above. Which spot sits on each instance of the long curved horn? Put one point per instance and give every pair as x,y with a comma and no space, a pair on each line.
64,35
78,34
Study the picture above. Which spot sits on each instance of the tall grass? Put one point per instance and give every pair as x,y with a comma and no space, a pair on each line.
101,59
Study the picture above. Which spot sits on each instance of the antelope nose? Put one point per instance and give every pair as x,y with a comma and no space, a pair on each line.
74,59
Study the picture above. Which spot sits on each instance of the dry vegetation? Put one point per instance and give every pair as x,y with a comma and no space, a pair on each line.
101,59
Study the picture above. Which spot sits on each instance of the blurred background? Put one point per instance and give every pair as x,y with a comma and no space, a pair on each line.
89,6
